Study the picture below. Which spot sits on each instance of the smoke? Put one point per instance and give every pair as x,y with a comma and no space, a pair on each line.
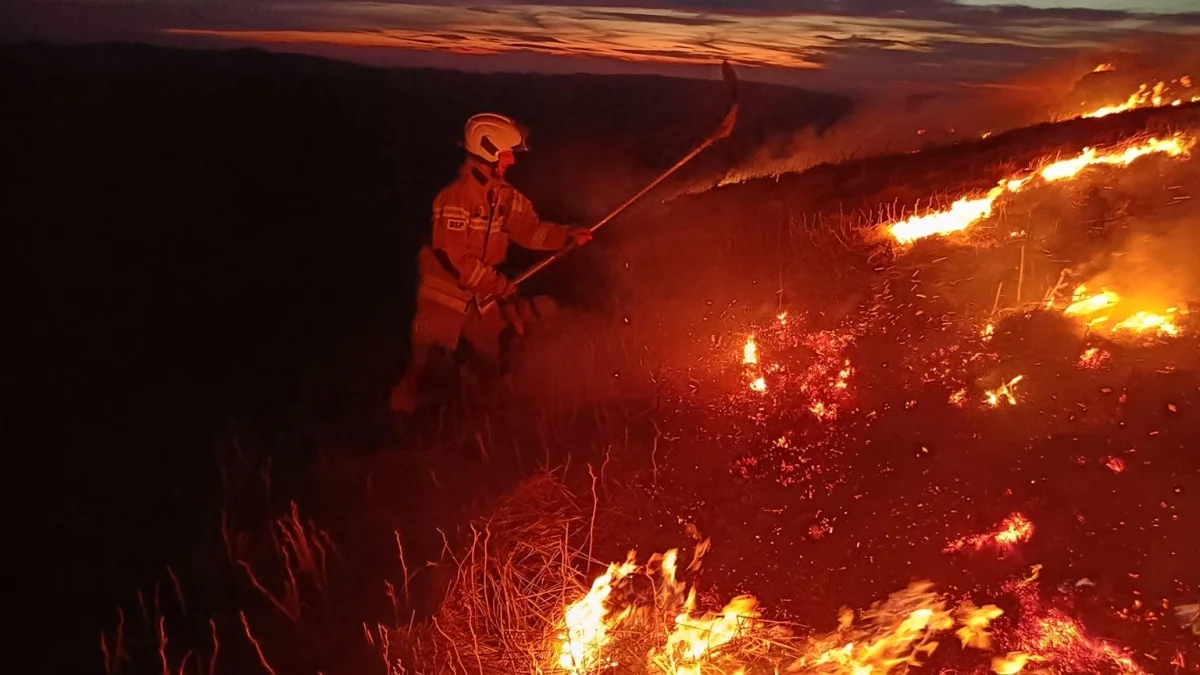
902,122
1153,270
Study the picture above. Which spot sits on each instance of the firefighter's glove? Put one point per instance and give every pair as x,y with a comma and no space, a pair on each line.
580,236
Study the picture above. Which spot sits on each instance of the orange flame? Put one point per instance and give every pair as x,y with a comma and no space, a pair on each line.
587,621
1162,93
1004,391
1084,305
695,638
1142,322
750,352
900,632
970,210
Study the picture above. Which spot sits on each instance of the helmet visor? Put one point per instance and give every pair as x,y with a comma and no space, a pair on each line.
523,146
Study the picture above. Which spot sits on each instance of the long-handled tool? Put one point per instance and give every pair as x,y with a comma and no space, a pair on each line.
722,131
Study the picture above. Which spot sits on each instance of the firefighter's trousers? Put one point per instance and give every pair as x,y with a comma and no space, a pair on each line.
437,327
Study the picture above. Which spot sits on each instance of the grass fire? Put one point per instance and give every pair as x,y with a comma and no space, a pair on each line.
928,410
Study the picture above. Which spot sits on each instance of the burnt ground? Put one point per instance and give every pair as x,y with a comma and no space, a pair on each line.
645,385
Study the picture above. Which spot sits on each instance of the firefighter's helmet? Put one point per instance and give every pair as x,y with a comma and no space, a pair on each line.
488,134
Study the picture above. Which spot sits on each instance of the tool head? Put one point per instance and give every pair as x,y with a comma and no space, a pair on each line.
731,80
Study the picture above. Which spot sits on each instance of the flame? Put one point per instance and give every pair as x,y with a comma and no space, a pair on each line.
695,638
898,632
1142,322
1161,93
969,210
587,621
1003,391
750,352
1011,664
1081,303
1104,67
1084,305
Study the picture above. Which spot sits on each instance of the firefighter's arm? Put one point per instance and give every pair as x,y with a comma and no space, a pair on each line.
530,231
450,223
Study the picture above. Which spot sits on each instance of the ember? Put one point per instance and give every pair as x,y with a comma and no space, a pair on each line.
1048,636
1093,358
1014,530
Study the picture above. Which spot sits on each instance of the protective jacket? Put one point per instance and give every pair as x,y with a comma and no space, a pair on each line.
473,219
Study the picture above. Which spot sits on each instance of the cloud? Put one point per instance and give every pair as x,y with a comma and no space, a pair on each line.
829,43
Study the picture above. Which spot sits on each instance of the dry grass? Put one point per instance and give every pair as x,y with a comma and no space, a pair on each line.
503,607
503,610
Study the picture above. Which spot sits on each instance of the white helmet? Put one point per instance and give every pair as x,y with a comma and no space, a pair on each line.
488,134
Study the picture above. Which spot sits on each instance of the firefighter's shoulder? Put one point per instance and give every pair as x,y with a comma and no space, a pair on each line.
519,202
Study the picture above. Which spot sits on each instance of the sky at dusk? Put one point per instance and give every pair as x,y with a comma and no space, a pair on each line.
816,43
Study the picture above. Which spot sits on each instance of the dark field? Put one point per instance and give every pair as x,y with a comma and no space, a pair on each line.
210,257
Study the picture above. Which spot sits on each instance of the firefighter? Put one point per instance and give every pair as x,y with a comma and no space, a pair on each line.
473,220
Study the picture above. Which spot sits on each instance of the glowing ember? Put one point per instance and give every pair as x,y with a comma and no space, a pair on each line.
1093,358
1047,635
1004,391
959,398
1014,530
824,381
969,210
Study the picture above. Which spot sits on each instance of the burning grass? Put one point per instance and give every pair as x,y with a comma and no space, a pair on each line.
518,604
904,416
970,210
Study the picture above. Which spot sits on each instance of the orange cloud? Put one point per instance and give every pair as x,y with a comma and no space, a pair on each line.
660,35
939,41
